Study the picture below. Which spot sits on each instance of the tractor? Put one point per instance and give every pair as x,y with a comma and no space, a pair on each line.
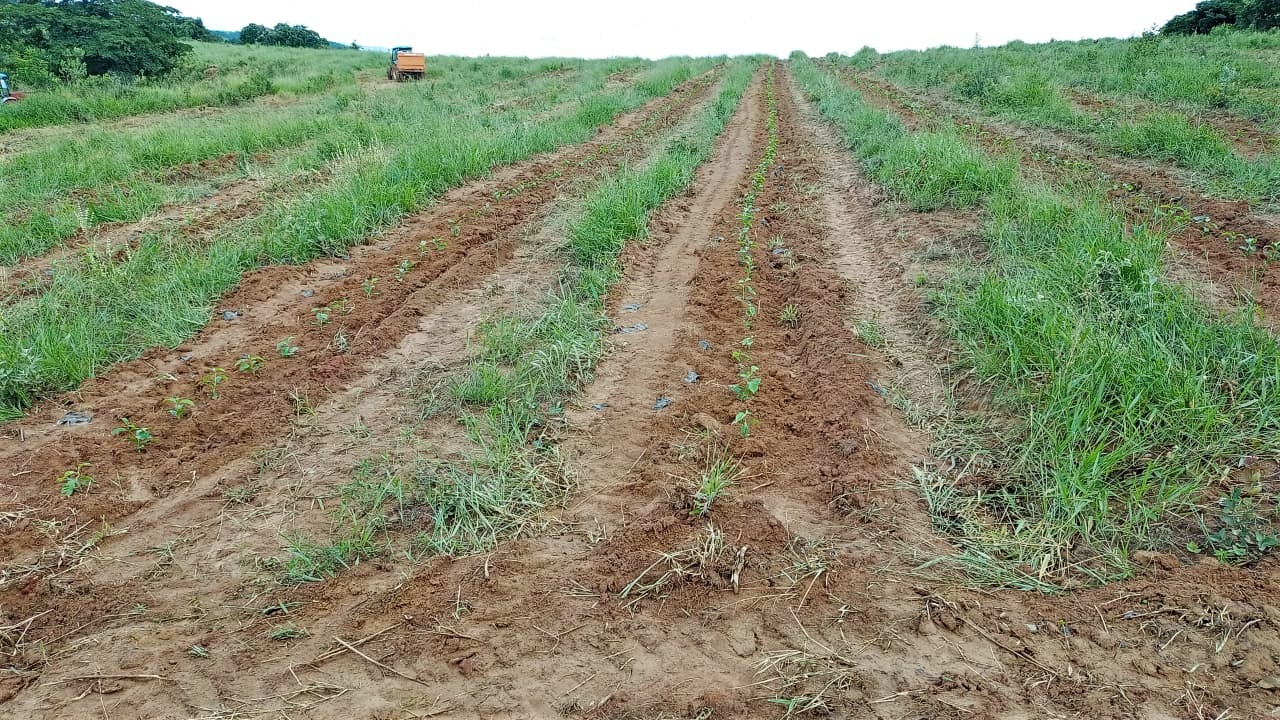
5,95
406,65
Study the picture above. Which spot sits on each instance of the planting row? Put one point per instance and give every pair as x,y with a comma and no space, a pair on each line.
161,291
1123,400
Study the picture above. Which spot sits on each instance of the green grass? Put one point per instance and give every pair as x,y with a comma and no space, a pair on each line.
932,169
74,181
1220,71
110,309
1185,76
529,364
1133,397
214,75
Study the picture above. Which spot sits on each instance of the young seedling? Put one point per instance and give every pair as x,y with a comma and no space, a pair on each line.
212,380
180,407
322,316
139,436
370,286
745,420
199,651
250,364
790,316
73,481
286,347
403,268
750,384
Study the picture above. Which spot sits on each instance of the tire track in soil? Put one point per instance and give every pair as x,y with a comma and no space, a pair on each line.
1206,247
1135,649
211,540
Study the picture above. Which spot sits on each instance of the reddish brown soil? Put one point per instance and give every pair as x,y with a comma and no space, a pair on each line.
821,533
1211,245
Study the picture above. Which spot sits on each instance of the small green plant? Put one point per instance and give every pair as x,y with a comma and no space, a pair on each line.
286,348
790,315
212,380
251,364
322,316
139,436
286,632
199,651
745,420
180,407
425,247
750,384
721,474
74,481
1242,536
370,286
403,268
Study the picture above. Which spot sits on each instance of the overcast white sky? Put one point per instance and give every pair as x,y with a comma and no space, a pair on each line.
659,28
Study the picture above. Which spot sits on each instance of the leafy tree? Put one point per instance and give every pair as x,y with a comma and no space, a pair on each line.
1260,15
1243,14
253,33
1207,15
97,37
282,34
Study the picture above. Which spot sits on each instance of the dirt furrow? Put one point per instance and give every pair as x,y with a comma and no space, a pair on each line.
422,264
1222,239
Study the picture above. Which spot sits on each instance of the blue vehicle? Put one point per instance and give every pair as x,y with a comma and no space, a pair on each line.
5,95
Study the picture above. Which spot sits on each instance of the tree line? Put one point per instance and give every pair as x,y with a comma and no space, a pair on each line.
46,40
1241,14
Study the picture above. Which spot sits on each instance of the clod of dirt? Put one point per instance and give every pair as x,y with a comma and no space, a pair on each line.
704,344
691,377
662,402
1270,683
627,330
708,423
75,418
230,315
308,293
1148,559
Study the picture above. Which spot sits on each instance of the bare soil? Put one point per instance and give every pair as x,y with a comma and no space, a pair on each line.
799,590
